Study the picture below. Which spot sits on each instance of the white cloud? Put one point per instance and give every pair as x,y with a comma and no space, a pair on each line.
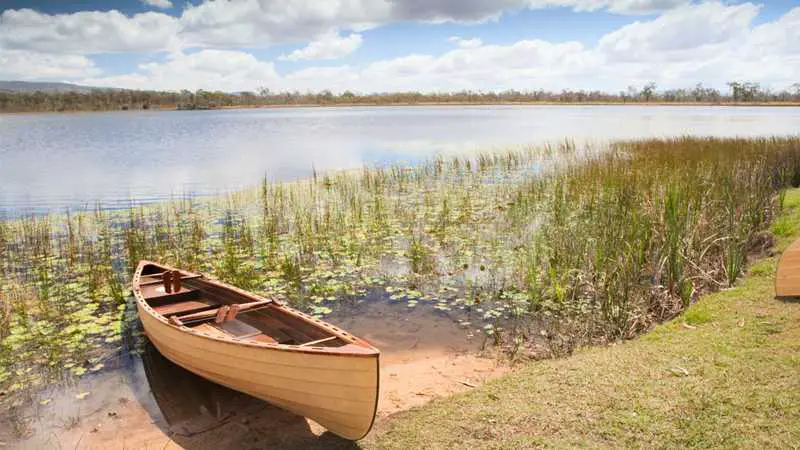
781,36
22,65
676,49
309,77
466,43
475,11
207,69
525,64
680,33
710,42
164,4
254,23
257,23
329,45
86,32
643,6
438,11
632,7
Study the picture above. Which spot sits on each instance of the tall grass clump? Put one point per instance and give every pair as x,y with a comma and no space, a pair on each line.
635,233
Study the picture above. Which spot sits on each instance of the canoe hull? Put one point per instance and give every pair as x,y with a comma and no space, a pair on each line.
336,389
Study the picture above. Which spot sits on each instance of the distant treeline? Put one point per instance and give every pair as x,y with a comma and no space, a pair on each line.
120,99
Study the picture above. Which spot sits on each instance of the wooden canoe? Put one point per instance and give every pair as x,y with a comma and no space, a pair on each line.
260,347
787,278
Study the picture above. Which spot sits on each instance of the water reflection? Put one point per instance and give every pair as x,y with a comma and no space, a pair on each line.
404,333
49,161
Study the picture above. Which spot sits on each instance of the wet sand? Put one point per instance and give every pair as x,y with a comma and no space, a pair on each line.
149,402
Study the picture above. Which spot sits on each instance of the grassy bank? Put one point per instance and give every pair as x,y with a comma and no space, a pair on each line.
542,250
724,374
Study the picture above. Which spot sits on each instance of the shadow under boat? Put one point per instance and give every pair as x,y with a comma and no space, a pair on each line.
199,414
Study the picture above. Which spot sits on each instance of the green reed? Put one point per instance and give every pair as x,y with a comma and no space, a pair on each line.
563,244
662,221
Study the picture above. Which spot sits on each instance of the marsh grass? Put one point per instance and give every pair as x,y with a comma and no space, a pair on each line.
634,234
722,375
557,246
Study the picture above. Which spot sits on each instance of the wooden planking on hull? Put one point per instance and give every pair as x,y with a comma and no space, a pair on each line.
275,371
327,375
337,420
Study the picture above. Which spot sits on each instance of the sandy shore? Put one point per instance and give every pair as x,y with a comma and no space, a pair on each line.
150,403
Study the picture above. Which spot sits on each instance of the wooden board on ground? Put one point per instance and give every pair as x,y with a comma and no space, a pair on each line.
787,278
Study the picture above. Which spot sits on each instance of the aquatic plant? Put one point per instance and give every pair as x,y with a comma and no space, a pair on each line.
560,244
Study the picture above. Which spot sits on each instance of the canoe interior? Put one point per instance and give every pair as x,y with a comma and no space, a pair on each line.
270,324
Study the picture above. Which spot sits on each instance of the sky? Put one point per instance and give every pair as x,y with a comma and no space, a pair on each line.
400,45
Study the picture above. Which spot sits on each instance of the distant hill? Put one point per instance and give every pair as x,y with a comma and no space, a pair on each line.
31,86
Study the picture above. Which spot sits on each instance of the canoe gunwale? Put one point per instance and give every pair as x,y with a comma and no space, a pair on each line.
346,350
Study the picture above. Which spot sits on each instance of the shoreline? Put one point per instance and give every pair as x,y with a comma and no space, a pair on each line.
424,104
673,383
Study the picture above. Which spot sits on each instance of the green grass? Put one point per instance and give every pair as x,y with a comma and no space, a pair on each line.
724,374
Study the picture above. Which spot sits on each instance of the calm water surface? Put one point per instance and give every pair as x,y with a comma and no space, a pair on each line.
55,161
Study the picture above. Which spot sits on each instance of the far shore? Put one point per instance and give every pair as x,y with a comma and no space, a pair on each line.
421,104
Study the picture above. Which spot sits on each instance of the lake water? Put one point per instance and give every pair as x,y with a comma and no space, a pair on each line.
55,161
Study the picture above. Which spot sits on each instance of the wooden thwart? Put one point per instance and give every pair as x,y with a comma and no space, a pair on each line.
185,307
160,281
221,314
319,341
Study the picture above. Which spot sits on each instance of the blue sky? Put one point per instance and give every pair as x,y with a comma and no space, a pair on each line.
385,45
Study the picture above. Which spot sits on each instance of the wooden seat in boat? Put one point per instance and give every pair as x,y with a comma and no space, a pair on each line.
210,330
234,328
185,301
262,338
185,307
238,329
220,314
156,294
